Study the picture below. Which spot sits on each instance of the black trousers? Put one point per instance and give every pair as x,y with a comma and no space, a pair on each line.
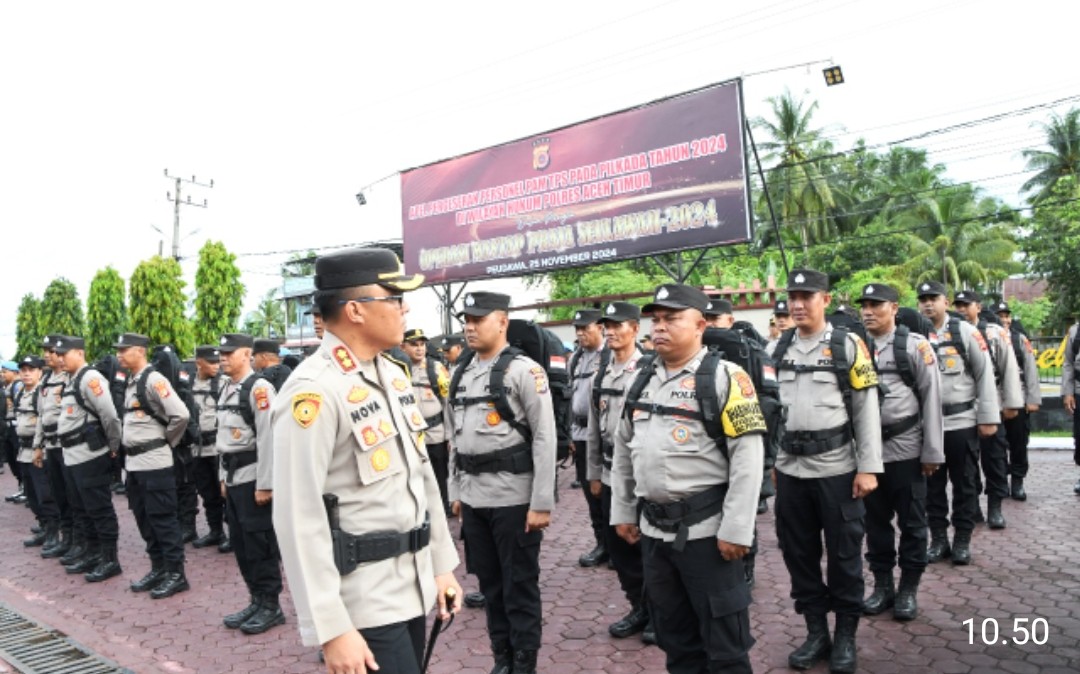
80,522
11,453
596,514
901,492
625,557
187,498
251,532
1018,434
506,561
994,463
204,471
92,479
700,606
39,495
805,509
439,453
961,451
398,647
54,469
152,498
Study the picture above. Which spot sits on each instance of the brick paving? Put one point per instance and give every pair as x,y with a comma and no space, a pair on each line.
1029,570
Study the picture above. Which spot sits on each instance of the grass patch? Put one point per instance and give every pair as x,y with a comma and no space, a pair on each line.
1051,434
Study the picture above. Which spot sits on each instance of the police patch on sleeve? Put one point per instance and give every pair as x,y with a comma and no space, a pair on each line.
262,398
444,381
742,413
540,379
305,408
862,373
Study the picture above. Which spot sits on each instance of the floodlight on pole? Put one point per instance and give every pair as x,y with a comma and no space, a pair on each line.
833,76
361,199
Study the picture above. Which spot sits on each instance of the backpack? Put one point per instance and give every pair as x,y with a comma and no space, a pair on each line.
243,405
164,360
840,365
276,375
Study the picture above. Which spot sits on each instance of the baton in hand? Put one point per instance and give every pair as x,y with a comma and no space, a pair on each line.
438,626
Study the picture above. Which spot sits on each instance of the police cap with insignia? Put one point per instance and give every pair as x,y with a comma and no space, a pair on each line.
49,341
208,353
677,296
415,335
781,308
1002,308
313,311
966,297
718,308
453,340
363,267
807,280
618,312
931,288
232,341
131,339
35,362
64,343
878,292
483,303
584,317
265,346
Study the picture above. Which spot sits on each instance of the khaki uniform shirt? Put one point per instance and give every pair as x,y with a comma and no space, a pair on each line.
140,427
1006,369
664,458
52,390
478,429
234,435
585,366
352,428
604,421
813,402
202,391
26,423
431,405
1070,383
94,389
963,380
925,441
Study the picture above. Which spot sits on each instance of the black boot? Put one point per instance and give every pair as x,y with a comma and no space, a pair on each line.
762,506
906,606
939,546
594,557
978,518
173,582
648,635
884,594
631,624
151,579
52,538
1017,489
77,549
475,600
994,518
35,540
215,537
749,562
524,662
107,568
88,562
235,620
188,534
63,544
268,615
961,553
504,659
225,546
842,660
817,644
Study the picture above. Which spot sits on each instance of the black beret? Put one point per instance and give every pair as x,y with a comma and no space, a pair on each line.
677,296
65,343
585,317
879,292
928,288
807,280
782,308
967,297
362,267
719,308
208,353
483,303
232,341
1002,308
131,339
265,346
618,312
49,341
35,362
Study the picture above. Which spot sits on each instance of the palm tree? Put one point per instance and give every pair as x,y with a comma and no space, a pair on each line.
1062,159
268,320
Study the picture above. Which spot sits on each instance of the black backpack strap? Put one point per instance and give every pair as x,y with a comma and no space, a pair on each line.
572,365
601,371
956,340
433,377
76,391
786,338
1017,339
904,366
842,367
645,367
708,401
144,401
498,388
459,370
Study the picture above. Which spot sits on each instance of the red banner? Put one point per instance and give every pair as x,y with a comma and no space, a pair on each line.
663,177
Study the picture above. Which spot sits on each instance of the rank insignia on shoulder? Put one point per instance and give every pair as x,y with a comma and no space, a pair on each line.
344,359
305,408
357,394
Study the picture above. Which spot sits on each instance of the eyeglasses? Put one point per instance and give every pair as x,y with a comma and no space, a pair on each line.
389,298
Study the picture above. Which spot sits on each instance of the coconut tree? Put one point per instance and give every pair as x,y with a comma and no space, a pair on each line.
1060,160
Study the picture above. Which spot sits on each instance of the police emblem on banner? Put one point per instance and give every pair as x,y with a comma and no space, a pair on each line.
541,153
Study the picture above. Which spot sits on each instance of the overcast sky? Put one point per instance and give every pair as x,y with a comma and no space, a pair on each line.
292,108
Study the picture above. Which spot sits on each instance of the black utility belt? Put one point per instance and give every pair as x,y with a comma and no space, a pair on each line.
900,427
89,435
957,408
207,438
26,441
49,428
235,461
678,516
516,459
144,447
581,420
351,551
433,421
809,443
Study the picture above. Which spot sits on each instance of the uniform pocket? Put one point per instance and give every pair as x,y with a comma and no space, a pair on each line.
850,539
526,562
826,389
160,493
729,624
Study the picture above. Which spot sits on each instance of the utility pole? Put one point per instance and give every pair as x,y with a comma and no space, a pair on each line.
175,198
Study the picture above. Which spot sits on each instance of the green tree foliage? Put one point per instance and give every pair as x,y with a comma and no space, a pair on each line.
1051,246
300,264
1034,314
219,293
157,304
28,331
268,320
1061,160
61,309
106,313
848,290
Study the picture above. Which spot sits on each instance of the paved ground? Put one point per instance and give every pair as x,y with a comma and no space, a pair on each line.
1030,571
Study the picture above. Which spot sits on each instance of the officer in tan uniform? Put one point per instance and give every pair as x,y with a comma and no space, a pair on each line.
582,366
782,320
620,321
353,481
502,467
47,450
993,450
1070,388
36,481
431,381
205,388
154,422
245,444
696,490
828,462
913,437
1018,429
89,432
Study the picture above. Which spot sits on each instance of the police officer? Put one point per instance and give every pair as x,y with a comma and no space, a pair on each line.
719,314
48,452
913,437
583,364
431,381
827,464
348,433
696,491
993,450
38,492
205,388
782,319
266,354
154,422
503,438
245,443
620,321
89,432
453,345
10,439
969,405
1018,429
1070,387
